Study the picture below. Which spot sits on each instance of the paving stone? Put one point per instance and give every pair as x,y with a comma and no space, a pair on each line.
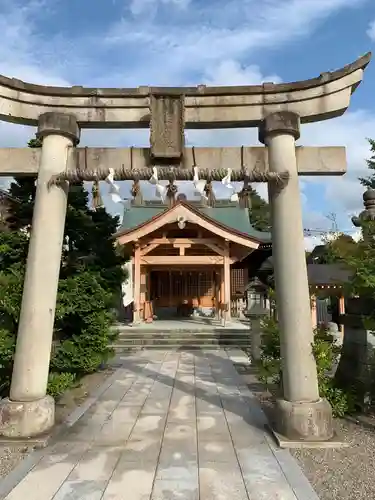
149,426
144,449
44,480
263,475
131,481
212,450
90,476
124,413
220,482
154,407
86,430
173,469
176,432
114,433
143,439
178,489
209,405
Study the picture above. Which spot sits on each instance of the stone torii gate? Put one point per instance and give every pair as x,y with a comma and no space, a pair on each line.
276,109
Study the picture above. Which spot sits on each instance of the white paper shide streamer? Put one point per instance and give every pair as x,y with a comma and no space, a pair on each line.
199,184
114,189
161,191
227,182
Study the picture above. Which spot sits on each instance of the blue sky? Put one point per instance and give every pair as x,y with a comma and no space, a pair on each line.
187,42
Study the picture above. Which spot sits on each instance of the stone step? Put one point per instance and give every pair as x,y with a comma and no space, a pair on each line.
120,349
239,342
185,333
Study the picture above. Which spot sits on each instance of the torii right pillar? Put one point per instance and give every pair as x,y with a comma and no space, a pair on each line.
301,414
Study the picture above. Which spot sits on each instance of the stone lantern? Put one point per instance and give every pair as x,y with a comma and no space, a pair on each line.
366,215
257,307
356,368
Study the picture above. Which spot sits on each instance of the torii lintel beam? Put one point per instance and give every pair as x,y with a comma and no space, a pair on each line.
317,99
136,163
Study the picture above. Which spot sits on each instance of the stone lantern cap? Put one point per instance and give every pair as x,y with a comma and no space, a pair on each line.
369,213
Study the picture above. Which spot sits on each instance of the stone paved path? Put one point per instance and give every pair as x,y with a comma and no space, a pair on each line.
170,425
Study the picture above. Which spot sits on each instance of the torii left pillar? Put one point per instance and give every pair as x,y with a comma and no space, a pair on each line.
29,411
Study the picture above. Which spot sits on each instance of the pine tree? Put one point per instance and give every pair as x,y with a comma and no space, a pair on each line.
89,286
259,212
369,181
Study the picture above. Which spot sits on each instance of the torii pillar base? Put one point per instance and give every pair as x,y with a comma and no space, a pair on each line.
300,423
27,418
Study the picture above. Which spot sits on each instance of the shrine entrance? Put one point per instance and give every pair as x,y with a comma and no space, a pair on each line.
277,110
185,292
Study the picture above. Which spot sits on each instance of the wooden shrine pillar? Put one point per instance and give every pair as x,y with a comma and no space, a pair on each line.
227,287
221,294
142,292
137,284
314,312
341,311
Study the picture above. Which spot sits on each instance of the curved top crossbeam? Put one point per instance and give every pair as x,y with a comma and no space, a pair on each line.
316,99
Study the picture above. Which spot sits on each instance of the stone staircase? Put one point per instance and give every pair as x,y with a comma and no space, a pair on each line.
144,337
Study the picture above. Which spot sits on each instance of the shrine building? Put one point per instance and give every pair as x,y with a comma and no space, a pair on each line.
186,257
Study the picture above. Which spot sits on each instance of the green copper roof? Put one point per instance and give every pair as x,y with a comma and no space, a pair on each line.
229,215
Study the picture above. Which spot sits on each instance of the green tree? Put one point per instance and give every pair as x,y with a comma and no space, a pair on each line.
89,286
369,181
259,212
333,251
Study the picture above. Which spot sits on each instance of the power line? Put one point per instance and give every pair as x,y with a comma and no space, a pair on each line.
329,231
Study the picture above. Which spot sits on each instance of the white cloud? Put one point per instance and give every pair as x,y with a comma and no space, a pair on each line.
209,32
150,7
351,130
231,72
206,42
371,31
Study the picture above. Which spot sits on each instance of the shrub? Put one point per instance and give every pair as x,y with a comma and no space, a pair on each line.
326,353
86,351
7,346
89,286
58,383
83,325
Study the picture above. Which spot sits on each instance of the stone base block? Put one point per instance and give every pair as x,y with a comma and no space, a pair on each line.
26,419
306,421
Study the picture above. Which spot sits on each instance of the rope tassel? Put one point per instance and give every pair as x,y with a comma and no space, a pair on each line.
97,201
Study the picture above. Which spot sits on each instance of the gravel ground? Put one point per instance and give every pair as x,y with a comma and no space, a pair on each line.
10,456
336,474
344,473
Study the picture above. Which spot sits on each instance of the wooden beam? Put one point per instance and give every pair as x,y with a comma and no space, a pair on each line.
148,248
187,260
213,244
185,241
216,248
182,247
128,162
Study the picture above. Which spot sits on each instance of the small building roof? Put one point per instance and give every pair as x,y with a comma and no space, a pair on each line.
318,274
228,215
327,274
6,195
